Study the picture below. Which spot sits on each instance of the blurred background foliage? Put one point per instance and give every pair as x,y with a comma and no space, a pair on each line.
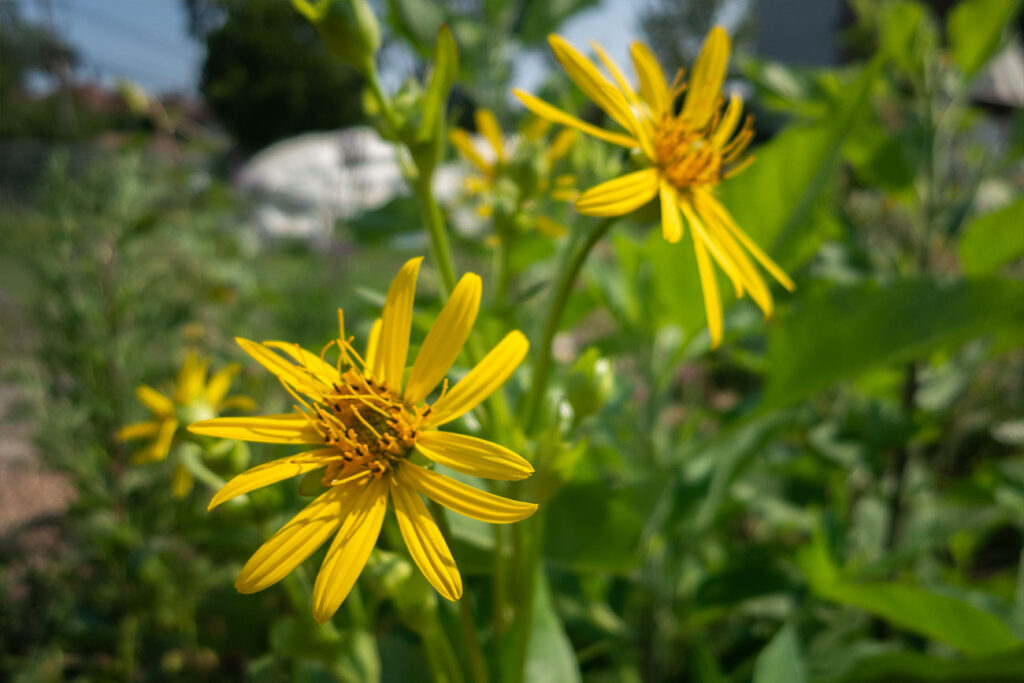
834,495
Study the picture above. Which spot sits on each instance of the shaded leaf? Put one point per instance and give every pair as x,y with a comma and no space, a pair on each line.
838,333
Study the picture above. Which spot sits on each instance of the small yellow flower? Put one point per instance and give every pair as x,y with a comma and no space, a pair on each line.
502,156
367,422
193,398
686,153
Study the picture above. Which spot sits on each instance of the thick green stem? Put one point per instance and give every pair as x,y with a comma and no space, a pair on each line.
477,663
440,251
567,280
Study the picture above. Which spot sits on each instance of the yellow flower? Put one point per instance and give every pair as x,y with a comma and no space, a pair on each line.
484,185
686,152
367,424
193,398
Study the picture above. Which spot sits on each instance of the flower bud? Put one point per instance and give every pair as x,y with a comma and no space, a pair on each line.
348,28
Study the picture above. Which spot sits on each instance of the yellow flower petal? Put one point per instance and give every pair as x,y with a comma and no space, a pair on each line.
473,456
642,129
285,371
561,144
445,339
191,377
621,195
219,384
272,472
481,381
614,70
712,304
589,79
397,323
671,224
138,430
312,363
425,542
284,428
548,227
706,81
239,402
463,142
463,499
487,125
157,403
730,119
715,207
182,483
749,275
160,446
373,358
347,556
296,540
653,86
555,115
718,253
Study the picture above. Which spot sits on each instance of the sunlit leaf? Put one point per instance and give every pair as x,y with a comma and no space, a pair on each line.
991,240
948,620
780,661
975,30
550,657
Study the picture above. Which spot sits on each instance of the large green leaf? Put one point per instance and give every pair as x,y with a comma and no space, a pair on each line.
991,240
917,667
780,661
610,538
948,620
975,29
550,657
837,333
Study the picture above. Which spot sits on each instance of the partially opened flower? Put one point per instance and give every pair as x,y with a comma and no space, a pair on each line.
194,397
685,153
367,422
527,164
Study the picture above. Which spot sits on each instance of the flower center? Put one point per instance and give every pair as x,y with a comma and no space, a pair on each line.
686,156
371,428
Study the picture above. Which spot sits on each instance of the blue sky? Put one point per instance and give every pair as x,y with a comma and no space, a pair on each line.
147,41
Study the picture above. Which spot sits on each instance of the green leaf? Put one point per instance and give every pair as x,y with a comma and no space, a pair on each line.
916,667
780,661
838,333
907,34
992,240
442,78
549,656
975,30
945,619
775,199
541,18
417,20
610,540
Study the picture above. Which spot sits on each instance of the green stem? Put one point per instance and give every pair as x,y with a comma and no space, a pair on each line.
501,273
567,281
477,663
373,80
440,251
